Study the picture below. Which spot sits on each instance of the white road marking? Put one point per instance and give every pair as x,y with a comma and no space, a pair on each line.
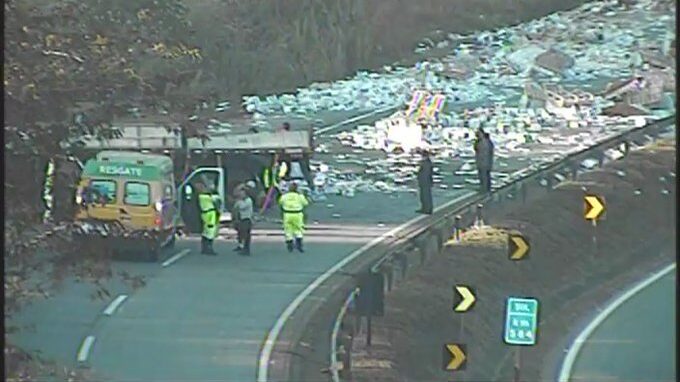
115,304
353,119
570,359
268,347
175,258
85,347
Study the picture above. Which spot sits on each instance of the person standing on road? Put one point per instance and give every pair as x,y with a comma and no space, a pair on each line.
243,217
425,184
292,205
271,179
251,191
484,157
208,218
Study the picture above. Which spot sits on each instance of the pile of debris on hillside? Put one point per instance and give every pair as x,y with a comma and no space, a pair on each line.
531,136
597,41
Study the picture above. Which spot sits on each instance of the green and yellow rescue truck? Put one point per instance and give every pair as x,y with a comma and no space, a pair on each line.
141,185
128,198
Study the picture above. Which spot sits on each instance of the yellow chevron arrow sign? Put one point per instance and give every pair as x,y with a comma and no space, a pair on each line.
467,299
594,207
518,247
454,357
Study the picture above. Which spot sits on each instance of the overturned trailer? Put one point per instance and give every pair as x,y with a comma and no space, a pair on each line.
221,161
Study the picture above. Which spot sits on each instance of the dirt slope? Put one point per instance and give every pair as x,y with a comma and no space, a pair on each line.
568,274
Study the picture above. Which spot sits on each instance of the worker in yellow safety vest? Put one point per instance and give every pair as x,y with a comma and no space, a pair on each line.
272,175
209,218
292,205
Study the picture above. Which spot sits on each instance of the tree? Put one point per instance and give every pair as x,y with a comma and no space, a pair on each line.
72,68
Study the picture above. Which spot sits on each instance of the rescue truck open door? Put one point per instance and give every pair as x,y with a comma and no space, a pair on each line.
214,179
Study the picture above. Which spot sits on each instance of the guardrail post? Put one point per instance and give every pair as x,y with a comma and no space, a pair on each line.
357,323
368,329
347,355
390,276
404,265
626,147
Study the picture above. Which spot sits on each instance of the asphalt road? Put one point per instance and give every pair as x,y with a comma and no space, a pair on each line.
204,318
636,342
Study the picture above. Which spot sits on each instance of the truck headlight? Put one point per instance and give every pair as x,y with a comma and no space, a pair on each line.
79,199
159,206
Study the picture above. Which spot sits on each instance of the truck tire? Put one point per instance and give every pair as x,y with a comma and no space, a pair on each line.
154,252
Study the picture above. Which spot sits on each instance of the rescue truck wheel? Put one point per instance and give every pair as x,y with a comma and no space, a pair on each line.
154,252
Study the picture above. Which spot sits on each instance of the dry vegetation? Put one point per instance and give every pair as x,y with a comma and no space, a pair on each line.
261,47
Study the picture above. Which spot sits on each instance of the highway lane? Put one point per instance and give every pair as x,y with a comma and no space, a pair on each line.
56,326
204,318
636,342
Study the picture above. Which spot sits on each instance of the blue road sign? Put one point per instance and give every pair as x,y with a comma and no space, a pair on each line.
521,321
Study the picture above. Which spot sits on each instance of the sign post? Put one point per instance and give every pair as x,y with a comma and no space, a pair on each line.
521,321
521,326
594,208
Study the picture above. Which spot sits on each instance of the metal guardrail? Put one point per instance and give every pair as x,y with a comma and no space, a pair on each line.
571,162
463,215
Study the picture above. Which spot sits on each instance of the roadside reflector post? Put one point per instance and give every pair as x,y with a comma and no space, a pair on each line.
480,220
457,227
626,147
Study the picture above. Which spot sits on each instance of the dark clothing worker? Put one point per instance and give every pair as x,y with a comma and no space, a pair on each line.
484,158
